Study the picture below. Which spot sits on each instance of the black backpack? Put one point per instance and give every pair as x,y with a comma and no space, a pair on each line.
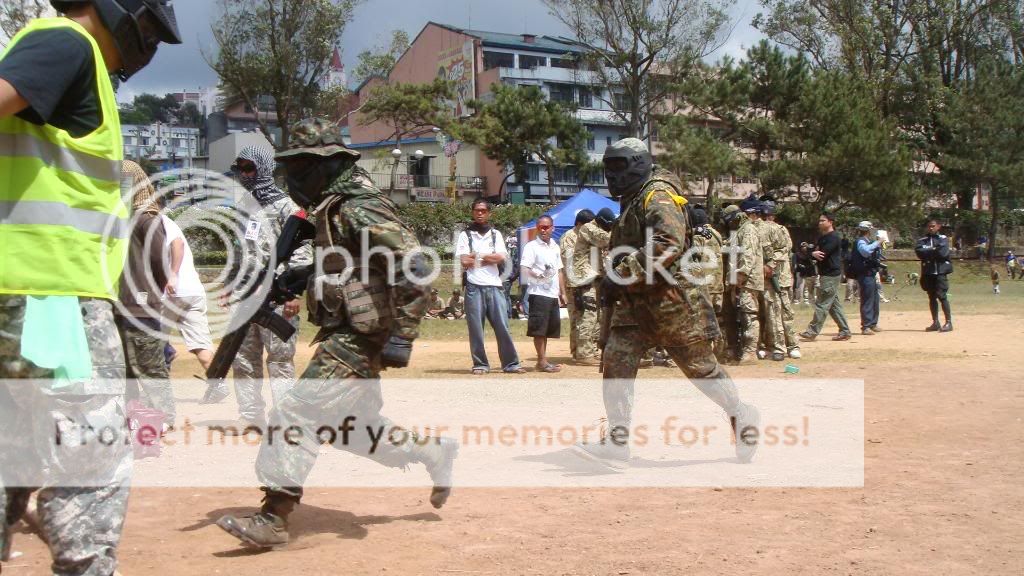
502,268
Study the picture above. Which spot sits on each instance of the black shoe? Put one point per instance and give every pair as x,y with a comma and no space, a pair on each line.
778,356
933,328
947,327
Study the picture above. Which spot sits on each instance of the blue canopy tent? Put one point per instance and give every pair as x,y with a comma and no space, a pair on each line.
564,214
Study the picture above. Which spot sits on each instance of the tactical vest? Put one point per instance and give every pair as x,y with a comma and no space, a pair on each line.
63,224
351,291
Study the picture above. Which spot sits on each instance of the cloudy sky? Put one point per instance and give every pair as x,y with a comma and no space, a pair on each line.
182,67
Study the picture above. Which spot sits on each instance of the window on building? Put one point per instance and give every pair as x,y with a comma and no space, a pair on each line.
563,63
608,140
654,132
128,141
561,93
527,62
586,99
145,141
620,102
498,60
566,174
591,143
176,142
533,173
596,177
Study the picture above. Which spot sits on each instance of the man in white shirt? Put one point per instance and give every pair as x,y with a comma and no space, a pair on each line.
185,299
480,250
542,267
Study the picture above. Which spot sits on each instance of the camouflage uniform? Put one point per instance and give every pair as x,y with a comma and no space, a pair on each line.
566,245
782,324
591,246
678,317
247,367
749,260
707,238
83,483
772,339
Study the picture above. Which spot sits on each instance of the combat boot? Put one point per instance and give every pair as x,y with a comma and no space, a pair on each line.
266,529
746,417
438,454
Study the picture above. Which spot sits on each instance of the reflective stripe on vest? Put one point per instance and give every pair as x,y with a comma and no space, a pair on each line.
63,223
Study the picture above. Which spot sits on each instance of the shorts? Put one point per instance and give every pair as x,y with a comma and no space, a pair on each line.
188,315
935,285
545,317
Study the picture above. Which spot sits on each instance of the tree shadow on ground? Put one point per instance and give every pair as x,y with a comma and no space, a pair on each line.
309,520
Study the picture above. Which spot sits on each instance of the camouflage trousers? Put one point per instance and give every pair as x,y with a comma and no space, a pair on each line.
788,329
70,443
248,369
147,368
745,302
587,323
721,344
626,344
773,335
574,323
335,402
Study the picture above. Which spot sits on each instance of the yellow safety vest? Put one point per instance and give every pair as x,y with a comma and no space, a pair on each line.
63,224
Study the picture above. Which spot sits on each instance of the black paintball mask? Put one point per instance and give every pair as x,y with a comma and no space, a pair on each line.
309,177
627,167
137,26
605,219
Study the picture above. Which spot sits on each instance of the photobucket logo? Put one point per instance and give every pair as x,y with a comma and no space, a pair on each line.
199,205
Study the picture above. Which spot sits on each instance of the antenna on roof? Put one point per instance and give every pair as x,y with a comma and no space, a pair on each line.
469,9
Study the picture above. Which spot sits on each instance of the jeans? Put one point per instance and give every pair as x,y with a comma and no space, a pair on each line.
828,304
868,301
488,302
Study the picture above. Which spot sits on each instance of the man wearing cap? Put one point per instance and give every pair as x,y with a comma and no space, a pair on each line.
864,263
780,323
369,314
60,157
745,278
587,272
566,246
436,306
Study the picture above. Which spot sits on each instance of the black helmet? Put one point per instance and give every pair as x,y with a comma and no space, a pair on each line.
605,218
137,26
627,166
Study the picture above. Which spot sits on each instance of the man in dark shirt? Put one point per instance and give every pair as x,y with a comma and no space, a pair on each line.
933,251
828,255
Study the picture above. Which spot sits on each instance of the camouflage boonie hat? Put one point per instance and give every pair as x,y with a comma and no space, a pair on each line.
315,137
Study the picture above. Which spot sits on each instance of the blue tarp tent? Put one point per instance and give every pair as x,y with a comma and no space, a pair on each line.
564,214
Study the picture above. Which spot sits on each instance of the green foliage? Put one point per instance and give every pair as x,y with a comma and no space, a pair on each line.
408,108
697,150
278,48
15,14
518,123
379,61
213,258
149,108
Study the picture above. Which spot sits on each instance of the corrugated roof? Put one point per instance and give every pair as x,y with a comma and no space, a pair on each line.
548,44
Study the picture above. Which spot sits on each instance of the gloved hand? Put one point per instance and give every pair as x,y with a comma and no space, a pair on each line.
290,284
610,291
396,352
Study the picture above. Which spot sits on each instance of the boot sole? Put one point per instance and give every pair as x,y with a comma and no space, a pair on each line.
614,465
232,528
756,423
439,494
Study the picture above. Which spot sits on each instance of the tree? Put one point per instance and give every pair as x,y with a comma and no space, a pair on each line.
149,108
986,123
636,49
15,14
278,48
189,116
407,109
697,150
379,61
518,124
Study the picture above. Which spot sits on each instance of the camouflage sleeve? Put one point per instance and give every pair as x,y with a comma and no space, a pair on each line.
749,244
666,230
595,235
385,234
779,251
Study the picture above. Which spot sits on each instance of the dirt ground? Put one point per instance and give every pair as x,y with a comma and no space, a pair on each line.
942,492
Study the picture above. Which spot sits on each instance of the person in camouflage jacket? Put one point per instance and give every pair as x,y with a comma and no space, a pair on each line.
368,315
672,310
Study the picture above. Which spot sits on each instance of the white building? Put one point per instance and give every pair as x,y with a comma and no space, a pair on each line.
170,146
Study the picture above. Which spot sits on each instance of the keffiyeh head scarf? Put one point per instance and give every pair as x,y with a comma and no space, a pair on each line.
135,179
261,184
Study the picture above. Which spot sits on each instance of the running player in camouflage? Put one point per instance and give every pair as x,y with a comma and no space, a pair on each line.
673,312
255,168
368,320
745,279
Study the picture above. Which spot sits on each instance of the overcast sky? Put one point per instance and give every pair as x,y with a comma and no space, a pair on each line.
183,68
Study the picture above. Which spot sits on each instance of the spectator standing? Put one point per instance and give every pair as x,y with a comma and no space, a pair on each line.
141,291
933,251
864,263
827,255
185,297
542,267
1012,268
480,249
